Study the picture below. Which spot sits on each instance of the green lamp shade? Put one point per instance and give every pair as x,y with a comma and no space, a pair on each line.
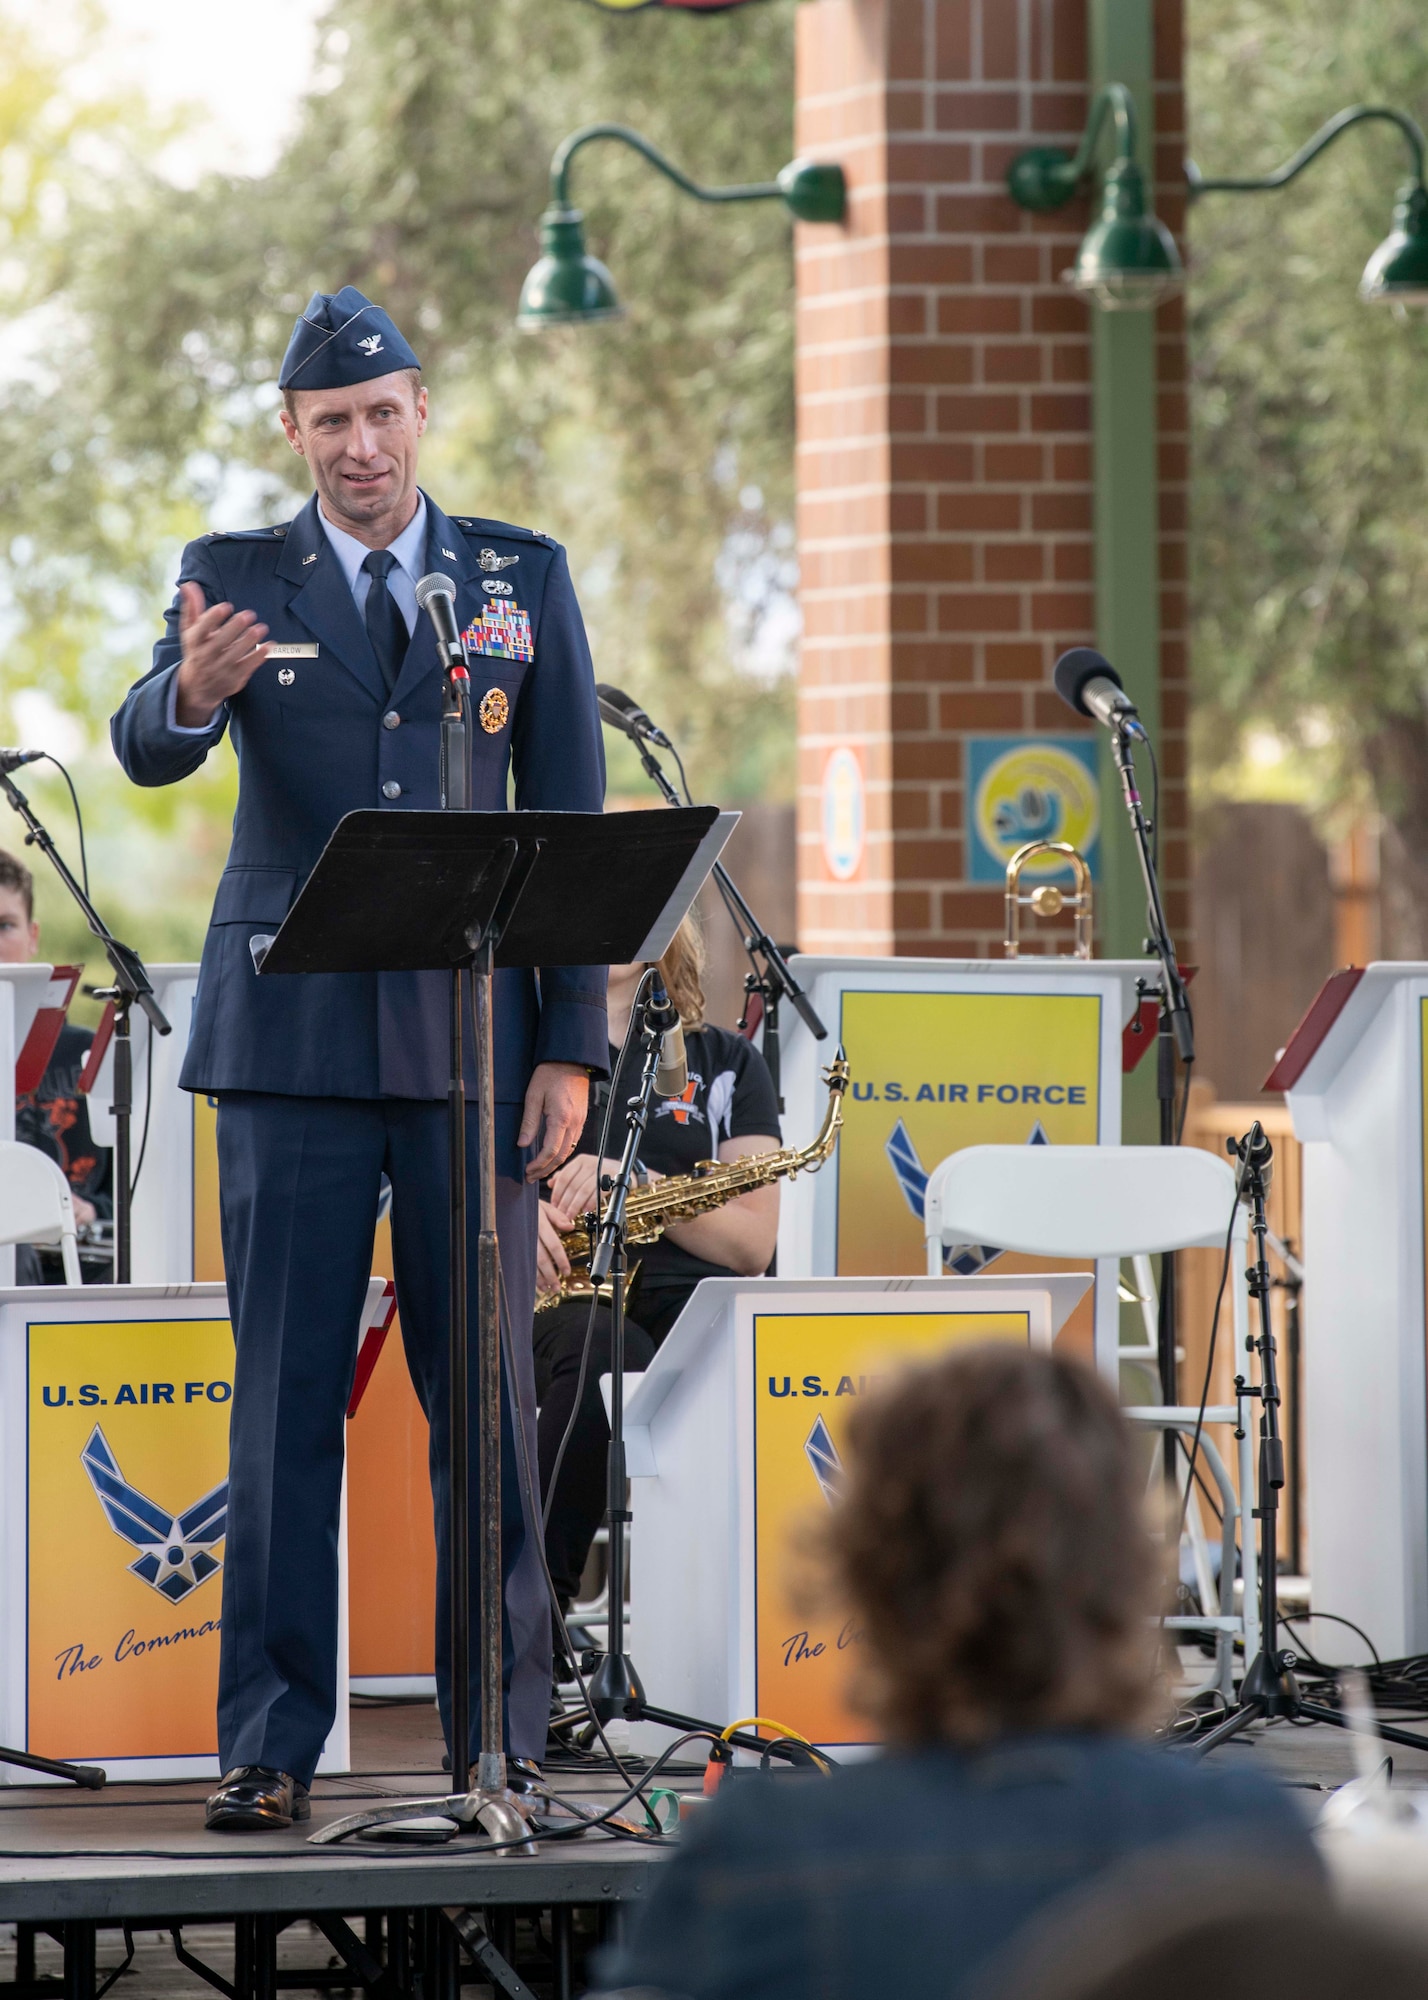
566,287
815,190
1128,261
1397,272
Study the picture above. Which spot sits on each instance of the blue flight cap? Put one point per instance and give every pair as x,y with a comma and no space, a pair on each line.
343,338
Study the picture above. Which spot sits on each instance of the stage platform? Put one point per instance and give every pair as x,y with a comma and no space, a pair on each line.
85,1862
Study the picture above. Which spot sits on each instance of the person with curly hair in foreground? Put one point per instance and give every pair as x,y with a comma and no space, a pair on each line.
991,1544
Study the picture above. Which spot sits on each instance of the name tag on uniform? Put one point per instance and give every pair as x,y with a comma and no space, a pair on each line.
306,651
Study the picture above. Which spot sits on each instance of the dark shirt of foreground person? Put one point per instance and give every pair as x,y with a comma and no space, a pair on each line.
991,1542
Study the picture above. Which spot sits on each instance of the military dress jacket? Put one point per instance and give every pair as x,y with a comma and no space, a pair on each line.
318,735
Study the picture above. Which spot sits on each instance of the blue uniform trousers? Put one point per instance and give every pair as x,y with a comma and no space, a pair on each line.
299,1180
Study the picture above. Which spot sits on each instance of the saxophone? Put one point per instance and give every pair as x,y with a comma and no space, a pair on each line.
713,1182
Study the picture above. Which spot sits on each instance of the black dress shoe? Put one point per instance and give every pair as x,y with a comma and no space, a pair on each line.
251,1799
523,1774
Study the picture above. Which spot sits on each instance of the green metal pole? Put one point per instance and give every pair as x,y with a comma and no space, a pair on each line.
1127,506
1126,514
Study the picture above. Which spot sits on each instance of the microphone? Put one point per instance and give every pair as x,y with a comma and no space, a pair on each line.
11,760
672,1076
436,596
1087,682
1256,1157
626,715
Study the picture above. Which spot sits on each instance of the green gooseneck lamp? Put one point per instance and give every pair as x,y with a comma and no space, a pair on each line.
1128,259
1397,272
569,287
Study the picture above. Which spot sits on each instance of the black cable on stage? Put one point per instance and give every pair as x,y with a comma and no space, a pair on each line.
1209,1368
1293,1618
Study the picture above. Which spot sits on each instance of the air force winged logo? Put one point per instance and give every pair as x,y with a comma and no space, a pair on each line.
372,344
491,562
822,1455
175,1550
965,1259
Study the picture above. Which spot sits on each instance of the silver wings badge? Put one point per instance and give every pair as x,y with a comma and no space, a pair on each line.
491,562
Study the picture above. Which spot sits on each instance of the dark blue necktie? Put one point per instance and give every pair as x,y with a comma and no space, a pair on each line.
386,627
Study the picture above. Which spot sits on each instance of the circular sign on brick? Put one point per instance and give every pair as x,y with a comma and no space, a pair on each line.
845,814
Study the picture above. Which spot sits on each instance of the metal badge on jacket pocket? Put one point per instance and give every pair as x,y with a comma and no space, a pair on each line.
494,711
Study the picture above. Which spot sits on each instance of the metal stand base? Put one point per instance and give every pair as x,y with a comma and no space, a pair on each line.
1271,1693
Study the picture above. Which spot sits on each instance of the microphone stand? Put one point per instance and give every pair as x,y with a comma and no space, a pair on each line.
1175,1033
131,987
1269,1688
131,983
772,979
615,1688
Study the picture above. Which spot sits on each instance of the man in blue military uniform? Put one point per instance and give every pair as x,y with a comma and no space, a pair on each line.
305,641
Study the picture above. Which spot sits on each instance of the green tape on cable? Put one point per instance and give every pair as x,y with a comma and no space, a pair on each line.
662,1809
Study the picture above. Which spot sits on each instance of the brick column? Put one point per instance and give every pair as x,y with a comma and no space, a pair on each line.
945,444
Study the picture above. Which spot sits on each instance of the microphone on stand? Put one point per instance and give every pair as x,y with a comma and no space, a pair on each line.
11,760
436,596
626,715
1087,682
672,1076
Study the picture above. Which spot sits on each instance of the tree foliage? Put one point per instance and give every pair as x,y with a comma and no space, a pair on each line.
659,447
1311,429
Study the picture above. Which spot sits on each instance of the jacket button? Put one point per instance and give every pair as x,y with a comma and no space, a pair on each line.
391,720
391,790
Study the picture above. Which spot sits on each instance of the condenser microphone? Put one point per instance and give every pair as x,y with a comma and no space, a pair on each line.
436,596
11,760
1087,682
626,715
672,1076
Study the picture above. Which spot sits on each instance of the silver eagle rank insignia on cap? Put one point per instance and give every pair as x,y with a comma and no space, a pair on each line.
490,561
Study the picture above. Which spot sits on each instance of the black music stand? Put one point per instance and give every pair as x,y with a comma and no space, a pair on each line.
459,891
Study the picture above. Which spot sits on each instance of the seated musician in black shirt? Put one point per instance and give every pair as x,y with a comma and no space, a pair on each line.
728,1110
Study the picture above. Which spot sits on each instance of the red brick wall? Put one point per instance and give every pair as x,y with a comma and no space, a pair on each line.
944,442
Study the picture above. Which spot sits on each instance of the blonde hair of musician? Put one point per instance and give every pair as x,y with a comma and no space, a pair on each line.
682,969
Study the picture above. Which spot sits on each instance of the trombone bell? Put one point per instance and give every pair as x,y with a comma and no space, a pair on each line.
1047,900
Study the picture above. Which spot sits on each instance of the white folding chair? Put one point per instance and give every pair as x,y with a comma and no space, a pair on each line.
36,1205
1110,1202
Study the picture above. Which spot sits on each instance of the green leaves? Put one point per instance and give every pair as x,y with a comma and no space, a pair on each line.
1311,446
